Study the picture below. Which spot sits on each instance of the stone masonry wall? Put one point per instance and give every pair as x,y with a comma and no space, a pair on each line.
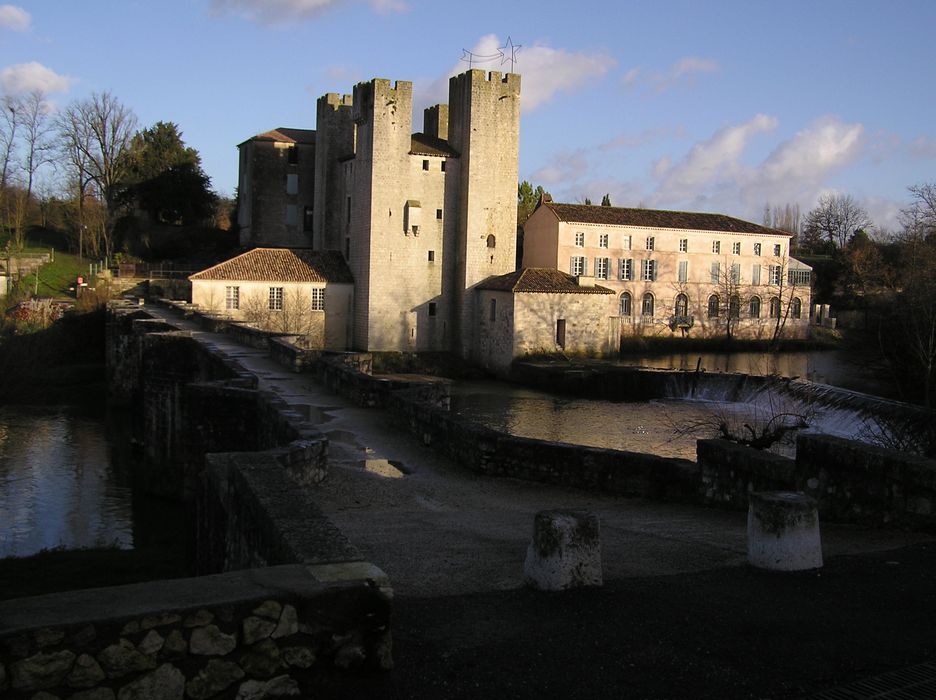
257,634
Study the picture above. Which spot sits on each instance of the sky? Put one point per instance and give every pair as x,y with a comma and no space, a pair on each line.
717,106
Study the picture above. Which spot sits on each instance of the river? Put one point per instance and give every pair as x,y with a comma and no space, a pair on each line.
65,482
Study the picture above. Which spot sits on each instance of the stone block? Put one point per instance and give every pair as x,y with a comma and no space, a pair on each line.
565,551
783,531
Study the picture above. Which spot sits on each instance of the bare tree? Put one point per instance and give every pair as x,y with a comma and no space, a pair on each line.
9,124
97,133
835,219
36,130
921,214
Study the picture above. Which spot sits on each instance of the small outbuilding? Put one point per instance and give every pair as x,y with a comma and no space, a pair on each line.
291,290
543,310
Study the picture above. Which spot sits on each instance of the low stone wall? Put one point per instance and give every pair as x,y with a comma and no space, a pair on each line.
257,634
729,472
250,516
854,482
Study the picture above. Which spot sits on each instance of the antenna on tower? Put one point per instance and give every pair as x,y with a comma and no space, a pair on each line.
472,58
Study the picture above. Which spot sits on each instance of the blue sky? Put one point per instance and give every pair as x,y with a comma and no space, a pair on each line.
710,106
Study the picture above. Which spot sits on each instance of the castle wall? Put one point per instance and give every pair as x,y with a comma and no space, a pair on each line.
274,213
484,127
334,141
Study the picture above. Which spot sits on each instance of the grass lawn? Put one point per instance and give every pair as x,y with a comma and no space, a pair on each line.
58,276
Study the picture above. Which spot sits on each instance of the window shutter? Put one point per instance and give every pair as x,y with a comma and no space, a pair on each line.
755,274
572,265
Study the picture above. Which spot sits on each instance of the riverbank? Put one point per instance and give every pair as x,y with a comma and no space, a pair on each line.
63,364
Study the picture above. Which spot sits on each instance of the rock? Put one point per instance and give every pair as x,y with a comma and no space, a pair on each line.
262,660
2,677
269,609
175,644
17,646
300,657
151,621
565,551
350,655
151,643
215,677
42,670
85,673
43,695
122,658
84,636
210,641
281,686
131,627
256,628
383,650
165,683
95,694
48,637
199,619
288,623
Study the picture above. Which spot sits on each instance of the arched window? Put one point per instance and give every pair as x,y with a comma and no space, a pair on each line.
755,307
491,241
775,307
647,308
626,304
713,306
682,305
734,306
796,308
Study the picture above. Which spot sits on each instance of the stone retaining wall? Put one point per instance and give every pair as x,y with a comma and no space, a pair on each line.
254,634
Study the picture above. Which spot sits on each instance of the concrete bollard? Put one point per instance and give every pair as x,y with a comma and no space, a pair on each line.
565,551
783,531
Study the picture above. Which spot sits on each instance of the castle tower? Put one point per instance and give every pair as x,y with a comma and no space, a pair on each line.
484,128
381,257
334,143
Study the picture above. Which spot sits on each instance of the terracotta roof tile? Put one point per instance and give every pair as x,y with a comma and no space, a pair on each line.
656,218
286,134
281,265
539,279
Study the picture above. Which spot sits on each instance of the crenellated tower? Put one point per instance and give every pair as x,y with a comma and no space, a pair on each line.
484,128
334,144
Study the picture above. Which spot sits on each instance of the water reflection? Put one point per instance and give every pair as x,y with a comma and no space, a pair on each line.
637,427
846,370
58,485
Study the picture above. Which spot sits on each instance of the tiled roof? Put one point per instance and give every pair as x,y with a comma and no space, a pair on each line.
285,134
539,279
655,218
281,265
426,145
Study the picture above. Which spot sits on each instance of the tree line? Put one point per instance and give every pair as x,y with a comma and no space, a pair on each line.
89,166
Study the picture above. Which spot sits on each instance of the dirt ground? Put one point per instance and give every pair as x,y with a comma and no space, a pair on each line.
728,633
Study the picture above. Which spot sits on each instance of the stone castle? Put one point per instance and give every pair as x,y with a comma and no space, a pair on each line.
420,218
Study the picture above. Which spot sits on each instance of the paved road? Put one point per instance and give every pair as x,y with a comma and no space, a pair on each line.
439,530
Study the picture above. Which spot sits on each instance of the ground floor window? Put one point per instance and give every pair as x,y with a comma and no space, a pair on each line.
775,307
796,308
682,305
647,307
713,306
755,307
734,306
318,299
276,298
560,332
232,298
626,304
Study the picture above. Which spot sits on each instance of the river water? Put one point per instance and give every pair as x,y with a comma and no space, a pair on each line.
59,485
665,427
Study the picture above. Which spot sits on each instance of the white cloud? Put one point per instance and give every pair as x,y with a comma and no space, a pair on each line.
923,147
281,11
26,77
14,18
712,161
801,164
545,71
682,71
